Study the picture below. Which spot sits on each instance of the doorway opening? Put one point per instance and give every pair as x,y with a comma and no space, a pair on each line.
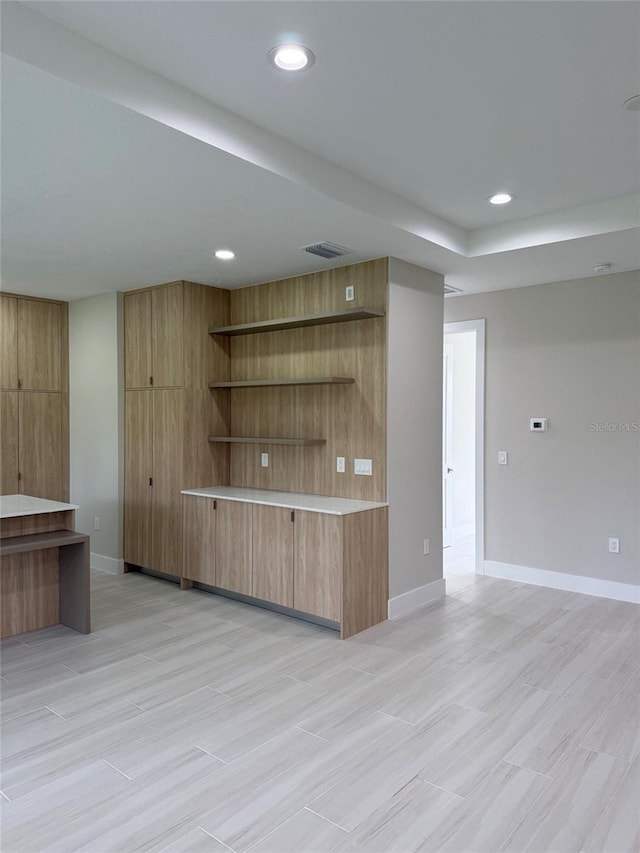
463,451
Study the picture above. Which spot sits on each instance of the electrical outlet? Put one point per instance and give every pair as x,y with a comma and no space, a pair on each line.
503,457
340,468
349,293
96,522
614,546
426,547
264,460
363,466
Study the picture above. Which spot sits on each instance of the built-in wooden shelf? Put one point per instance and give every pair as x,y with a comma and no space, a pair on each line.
266,383
254,439
343,316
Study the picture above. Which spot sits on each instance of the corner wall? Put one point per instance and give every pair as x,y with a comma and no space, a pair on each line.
570,352
414,435
95,424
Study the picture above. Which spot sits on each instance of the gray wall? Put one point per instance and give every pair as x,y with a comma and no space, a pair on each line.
95,424
414,425
570,352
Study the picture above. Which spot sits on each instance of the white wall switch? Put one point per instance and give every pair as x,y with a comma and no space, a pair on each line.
426,547
264,460
363,466
538,424
340,464
349,293
614,546
503,457
96,522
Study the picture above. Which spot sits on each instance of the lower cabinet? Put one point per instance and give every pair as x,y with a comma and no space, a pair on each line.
331,566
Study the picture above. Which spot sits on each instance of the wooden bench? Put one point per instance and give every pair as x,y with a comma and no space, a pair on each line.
73,573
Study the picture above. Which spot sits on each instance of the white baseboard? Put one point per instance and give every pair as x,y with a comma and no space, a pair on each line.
107,564
561,580
416,598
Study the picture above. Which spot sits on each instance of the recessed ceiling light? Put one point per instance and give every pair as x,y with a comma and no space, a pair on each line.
605,267
225,255
500,198
291,57
632,103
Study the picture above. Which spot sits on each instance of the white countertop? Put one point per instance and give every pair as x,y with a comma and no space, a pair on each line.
288,500
12,506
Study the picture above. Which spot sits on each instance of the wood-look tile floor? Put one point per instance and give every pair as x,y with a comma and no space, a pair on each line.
505,717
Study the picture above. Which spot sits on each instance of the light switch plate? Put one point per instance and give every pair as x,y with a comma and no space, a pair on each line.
264,460
340,464
349,293
363,466
503,457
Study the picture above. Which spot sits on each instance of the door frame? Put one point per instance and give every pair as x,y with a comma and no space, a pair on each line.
477,326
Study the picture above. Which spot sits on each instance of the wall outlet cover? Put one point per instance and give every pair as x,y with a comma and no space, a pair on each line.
264,460
427,545
538,424
340,464
614,546
349,293
363,466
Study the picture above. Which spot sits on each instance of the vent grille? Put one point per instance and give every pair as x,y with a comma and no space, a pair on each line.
327,250
448,289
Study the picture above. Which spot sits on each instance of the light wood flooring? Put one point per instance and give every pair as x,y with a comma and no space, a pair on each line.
502,718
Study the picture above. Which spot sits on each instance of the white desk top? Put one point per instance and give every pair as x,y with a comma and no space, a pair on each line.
288,500
12,506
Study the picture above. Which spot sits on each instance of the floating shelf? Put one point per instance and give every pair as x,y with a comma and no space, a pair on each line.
344,316
252,439
263,383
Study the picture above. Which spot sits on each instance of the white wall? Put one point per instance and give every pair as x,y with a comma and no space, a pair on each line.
95,423
570,352
414,434
463,411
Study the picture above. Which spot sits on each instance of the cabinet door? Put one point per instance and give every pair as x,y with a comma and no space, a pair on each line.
233,546
273,554
137,340
8,342
166,337
40,450
138,470
40,345
9,443
166,526
318,564
198,539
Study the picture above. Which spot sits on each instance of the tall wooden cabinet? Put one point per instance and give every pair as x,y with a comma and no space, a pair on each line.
169,414
34,400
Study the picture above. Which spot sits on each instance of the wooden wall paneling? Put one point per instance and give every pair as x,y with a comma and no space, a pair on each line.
234,535
317,573
167,336
40,444
365,574
166,525
9,443
273,554
44,522
138,468
352,418
65,461
199,539
206,358
137,339
8,342
40,345
29,596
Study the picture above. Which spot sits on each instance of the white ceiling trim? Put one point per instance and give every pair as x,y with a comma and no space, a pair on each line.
602,217
37,41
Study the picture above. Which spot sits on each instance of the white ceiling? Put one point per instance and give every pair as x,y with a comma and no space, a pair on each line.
413,113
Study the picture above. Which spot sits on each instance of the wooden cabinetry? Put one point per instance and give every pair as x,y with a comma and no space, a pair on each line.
35,419
168,415
330,566
153,337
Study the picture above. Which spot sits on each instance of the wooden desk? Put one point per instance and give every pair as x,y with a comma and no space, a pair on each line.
44,576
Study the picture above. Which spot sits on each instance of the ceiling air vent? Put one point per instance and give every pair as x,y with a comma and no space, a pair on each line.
327,250
448,289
